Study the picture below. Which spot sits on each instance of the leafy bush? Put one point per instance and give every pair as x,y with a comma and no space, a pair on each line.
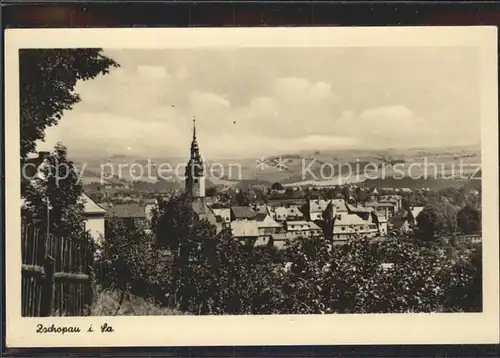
128,261
228,277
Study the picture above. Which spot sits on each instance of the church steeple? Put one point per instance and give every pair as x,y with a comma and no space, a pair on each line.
194,129
195,150
195,180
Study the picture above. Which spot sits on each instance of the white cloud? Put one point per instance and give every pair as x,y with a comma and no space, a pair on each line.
385,122
95,132
296,115
295,107
125,92
249,108
390,125
155,72
394,113
299,91
201,101
182,74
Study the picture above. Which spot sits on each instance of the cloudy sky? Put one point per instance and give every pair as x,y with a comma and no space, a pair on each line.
250,102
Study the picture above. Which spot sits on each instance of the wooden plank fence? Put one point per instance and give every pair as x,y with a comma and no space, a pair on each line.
57,275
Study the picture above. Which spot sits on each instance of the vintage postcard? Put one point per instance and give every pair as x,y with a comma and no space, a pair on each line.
251,186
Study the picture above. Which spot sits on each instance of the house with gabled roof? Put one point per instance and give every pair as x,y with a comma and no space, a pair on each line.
373,195
395,200
267,225
279,213
414,212
348,225
130,214
296,229
242,213
381,222
95,216
387,209
293,212
316,207
363,212
223,213
315,230
245,230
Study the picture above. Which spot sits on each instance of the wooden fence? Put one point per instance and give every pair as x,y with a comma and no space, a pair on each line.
57,277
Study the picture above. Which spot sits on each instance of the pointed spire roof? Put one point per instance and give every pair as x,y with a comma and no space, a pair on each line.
194,129
194,143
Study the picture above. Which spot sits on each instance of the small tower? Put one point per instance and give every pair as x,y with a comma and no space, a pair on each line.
195,176
329,216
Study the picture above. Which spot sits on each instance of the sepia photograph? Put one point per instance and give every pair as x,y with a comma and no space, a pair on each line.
286,179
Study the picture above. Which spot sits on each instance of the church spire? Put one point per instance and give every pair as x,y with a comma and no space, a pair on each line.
194,144
194,129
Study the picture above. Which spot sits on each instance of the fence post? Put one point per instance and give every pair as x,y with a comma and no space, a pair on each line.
92,286
48,288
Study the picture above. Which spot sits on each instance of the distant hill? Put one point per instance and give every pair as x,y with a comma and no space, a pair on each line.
326,166
433,184
391,163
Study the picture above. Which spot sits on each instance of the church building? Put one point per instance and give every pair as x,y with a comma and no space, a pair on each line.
195,183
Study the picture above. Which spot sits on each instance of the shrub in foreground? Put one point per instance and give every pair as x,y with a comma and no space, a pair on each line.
108,303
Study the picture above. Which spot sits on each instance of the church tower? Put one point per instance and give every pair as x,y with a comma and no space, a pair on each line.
195,176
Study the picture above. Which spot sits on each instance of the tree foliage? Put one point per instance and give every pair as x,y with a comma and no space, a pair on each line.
316,278
242,199
469,220
211,191
230,277
405,204
221,275
175,222
277,186
58,183
437,219
128,261
361,196
47,81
